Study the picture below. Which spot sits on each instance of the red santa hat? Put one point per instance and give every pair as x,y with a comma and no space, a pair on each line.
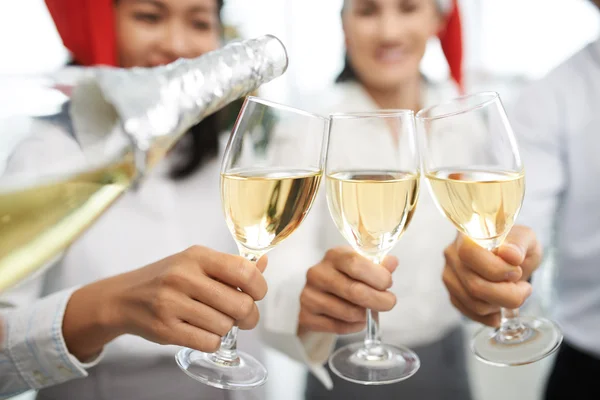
451,40
87,29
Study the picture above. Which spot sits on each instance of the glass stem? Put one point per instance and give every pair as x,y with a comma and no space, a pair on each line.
512,330
510,318
227,353
511,327
372,342
373,337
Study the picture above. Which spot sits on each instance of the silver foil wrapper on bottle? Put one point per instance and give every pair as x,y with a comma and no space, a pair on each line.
164,102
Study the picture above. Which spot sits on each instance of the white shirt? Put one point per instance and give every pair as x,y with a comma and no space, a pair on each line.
423,313
162,218
557,123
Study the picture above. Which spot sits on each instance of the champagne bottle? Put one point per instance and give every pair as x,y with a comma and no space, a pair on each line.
58,181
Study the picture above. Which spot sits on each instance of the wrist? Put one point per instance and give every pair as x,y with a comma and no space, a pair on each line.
107,298
91,320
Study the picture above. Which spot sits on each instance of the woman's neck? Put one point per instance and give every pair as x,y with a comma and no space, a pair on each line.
406,96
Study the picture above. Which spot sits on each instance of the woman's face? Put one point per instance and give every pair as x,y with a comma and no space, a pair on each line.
386,39
157,32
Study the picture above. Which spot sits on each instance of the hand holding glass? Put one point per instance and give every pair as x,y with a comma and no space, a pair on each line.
472,163
270,175
373,177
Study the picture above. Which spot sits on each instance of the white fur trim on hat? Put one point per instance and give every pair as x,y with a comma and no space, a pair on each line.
445,6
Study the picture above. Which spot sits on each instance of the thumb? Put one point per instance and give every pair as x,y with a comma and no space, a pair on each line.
390,263
517,245
261,264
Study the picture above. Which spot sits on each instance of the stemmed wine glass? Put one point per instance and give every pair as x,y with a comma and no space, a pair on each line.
372,175
474,170
270,175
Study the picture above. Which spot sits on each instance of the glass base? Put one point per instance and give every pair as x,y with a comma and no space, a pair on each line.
380,365
539,339
244,373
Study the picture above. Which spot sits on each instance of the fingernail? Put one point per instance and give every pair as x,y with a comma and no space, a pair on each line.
512,275
529,291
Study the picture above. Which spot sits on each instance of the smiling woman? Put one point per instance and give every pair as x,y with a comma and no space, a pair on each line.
157,32
385,41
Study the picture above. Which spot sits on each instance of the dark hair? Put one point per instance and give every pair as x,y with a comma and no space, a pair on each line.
348,73
201,142
198,145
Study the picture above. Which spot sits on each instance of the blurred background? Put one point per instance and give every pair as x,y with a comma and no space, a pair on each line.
507,44
499,38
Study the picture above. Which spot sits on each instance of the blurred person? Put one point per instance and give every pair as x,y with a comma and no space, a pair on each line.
385,42
183,300
556,122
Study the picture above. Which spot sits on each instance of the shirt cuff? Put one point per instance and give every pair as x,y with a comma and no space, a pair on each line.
281,324
36,346
316,348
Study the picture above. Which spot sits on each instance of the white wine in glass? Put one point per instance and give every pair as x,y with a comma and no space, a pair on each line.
372,208
263,207
373,179
270,176
481,204
474,170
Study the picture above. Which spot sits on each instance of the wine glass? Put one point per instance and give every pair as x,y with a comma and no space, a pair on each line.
372,175
472,164
270,175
